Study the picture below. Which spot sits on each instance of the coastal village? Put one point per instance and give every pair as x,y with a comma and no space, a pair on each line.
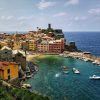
16,50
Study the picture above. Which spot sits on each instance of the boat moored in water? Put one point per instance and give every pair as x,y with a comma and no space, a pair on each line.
66,72
95,77
65,69
76,71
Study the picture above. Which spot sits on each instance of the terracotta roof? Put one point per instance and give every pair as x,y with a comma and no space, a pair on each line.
5,63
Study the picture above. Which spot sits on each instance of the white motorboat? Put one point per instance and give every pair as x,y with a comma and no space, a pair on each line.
95,77
76,71
86,60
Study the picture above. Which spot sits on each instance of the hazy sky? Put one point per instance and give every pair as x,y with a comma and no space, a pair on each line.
70,15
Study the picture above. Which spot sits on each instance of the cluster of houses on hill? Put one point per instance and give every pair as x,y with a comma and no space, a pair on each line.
43,40
13,48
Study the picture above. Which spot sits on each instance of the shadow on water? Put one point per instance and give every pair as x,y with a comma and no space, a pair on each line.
52,60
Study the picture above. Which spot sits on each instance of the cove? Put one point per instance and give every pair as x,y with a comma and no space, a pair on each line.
51,81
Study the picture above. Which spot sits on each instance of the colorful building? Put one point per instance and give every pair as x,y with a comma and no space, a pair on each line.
32,45
53,46
8,70
57,46
43,46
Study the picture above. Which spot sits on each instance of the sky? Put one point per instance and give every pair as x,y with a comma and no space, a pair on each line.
69,15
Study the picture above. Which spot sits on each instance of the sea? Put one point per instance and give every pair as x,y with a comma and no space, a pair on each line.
85,41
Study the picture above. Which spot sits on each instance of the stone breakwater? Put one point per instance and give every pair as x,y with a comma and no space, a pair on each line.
86,56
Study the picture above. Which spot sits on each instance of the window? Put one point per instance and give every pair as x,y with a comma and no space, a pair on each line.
5,52
9,77
8,71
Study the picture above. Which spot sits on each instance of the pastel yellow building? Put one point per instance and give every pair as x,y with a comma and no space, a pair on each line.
32,45
8,70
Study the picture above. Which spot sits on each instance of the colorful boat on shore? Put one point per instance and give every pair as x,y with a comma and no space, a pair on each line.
76,71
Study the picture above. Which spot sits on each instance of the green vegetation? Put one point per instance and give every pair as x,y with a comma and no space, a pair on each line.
46,31
10,93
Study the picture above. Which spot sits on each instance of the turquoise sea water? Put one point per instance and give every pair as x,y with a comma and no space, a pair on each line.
51,81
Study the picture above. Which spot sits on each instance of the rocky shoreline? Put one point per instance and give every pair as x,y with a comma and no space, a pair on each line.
85,56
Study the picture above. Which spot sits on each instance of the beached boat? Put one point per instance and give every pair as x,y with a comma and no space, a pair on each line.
95,77
26,86
76,71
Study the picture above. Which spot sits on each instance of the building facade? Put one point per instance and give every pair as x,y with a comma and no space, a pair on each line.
53,46
43,46
32,45
57,46
8,70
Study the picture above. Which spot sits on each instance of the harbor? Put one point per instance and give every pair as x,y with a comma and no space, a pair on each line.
51,80
85,56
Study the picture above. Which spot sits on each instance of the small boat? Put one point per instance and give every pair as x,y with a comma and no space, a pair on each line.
28,76
36,68
66,72
86,60
26,86
95,77
65,69
76,71
94,62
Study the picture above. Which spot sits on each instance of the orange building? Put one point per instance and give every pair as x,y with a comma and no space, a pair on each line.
8,70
